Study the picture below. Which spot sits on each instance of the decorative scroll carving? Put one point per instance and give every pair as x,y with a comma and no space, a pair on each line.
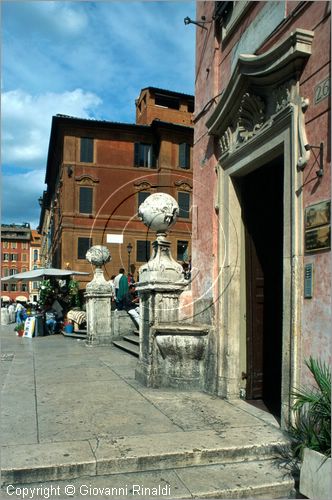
86,179
248,120
143,185
304,150
184,186
281,98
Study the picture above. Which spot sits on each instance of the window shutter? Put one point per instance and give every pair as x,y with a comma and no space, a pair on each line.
184,155
136,154
86,150
85,200
83,245
142,250
184,205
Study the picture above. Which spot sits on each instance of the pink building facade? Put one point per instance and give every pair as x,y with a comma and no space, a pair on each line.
261,252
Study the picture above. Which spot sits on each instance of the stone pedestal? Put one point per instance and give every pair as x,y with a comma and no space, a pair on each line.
98,301
171,353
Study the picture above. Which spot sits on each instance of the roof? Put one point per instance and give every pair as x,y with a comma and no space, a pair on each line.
169,92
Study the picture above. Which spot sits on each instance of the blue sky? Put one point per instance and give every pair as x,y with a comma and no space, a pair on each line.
85,59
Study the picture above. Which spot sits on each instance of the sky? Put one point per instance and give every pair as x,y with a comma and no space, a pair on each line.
83,59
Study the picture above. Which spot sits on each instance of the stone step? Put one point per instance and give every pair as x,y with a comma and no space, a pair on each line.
133,339
127,346
256,479
23,464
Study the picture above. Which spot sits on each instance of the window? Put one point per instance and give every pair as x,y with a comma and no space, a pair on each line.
14,244
182,250
5,287
24,246
13,257
24,287
12,271
5,244
6,256
5,271
35,285
184,155
167,101
23,270
86,150
142,196
85,200
184,204
144,155
142,250
35,255
24,257
13,287
191,106
83,245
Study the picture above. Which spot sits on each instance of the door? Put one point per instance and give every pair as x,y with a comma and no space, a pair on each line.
262,203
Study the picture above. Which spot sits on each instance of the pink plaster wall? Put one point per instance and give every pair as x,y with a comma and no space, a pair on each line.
212,76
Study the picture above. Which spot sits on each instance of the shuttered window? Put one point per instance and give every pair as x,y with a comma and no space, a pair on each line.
142,196
86,200
83,245
184,155
142,250
144,155
184,204
86,155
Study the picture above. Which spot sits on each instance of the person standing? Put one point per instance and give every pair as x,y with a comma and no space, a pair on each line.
122,291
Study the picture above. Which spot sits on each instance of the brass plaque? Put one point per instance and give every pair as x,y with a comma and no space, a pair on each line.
317,215
318,238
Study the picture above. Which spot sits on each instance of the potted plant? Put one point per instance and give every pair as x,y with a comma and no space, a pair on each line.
312,431
19,329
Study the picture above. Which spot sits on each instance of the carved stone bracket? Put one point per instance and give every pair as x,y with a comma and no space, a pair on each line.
184,186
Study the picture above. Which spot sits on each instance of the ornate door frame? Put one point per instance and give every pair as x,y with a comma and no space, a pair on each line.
259,117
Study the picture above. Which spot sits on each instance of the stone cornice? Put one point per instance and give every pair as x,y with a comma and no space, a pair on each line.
271,69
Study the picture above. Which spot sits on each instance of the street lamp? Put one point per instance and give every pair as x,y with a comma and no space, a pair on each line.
129,249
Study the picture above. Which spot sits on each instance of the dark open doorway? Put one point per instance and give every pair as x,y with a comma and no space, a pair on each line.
262,204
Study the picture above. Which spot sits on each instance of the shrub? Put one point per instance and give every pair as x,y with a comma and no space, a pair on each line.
312,407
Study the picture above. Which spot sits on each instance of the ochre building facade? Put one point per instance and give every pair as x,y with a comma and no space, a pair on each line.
99,172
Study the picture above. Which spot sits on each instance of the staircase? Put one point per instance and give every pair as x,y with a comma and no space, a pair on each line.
129,343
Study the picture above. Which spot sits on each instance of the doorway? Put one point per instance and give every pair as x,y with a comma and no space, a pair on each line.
262,209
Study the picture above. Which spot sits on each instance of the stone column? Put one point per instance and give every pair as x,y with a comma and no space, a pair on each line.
98,300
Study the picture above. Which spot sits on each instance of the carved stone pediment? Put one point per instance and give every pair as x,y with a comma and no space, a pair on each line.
183,185
143,185
86,179
262,89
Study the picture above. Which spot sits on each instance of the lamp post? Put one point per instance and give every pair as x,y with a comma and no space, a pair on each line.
129,249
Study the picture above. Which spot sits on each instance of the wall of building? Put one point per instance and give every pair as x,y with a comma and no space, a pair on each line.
215,61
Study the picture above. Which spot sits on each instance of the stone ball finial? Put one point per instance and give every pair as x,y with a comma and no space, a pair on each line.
98,255
159,212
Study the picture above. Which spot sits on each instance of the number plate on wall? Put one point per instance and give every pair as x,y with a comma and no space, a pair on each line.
322,90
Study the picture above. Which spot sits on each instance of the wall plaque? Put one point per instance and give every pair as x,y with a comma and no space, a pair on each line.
322,90
317,224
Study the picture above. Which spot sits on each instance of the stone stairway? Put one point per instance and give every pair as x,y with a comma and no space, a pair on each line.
192,464
129,343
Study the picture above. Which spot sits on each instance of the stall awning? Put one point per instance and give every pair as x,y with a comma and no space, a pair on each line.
40,274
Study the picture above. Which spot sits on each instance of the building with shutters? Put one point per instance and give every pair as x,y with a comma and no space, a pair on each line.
15,258
99,172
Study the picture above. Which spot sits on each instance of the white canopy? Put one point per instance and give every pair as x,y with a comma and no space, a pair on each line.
5,298
40,274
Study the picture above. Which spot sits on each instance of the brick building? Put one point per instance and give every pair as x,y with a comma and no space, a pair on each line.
15,255
98,172
263,181
35,263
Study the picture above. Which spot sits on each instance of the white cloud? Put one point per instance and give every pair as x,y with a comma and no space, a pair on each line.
26,120
20,195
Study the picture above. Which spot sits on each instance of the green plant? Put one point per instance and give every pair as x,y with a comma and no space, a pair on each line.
19,327
73,289
312,407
